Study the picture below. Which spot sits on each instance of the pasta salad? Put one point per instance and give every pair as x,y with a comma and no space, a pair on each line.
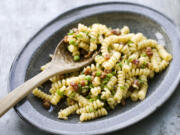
120,71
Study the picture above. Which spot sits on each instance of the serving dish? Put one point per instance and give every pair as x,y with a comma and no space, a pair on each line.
140,19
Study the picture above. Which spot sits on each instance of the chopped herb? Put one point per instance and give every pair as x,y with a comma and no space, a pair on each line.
109,75
79,87
106,78
130,59
129,42
86,32
82,72
126,61
71,32
106,86
86,82
122,87
91,86
91,99
144,54
113,91
102,86
60,93
144,65
109,48
91,110
141,81
88,77
98,97
72,94
98,73
92,40
79,36
72,42
88,97
114,72
105,81
120,64
76,58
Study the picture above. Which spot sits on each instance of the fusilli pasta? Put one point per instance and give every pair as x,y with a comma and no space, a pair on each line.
120,71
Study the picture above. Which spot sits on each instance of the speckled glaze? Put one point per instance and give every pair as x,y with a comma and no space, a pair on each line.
35,53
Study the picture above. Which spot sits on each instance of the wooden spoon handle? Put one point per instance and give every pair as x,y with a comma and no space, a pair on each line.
23,90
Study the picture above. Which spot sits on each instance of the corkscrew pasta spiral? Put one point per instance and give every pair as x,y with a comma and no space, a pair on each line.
62,114
89,116
40,94
91,107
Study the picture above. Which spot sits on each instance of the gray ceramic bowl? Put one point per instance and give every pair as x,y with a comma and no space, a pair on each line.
140,19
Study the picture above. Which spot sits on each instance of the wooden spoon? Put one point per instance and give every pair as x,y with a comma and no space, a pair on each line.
62,62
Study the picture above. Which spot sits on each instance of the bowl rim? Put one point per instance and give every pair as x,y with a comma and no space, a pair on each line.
138,118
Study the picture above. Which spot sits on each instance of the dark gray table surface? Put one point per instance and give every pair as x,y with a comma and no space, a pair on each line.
21,19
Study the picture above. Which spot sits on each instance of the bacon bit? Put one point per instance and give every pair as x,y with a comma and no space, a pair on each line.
46,104
131,88
74,85
123,103
75,30
107,71
135,61
82,83
136,84
116,31
93,74
149,51
83,52
70,102
107,57
103,75
87,71
61,77
88,55
65,39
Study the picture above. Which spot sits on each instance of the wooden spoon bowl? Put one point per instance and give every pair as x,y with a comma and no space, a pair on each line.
62,62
